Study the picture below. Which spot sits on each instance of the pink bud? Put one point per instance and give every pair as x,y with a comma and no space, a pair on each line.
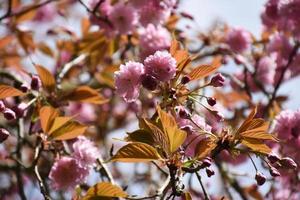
206,162
260,178
9,114
149,82
24,88
20,109
35,82
211,101
210,172
187,128
288,163
273,158
183,113
218,80
185,79
274,172
2,106
3,134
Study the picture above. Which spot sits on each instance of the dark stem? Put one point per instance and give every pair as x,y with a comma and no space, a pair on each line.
21,12
206,196
8,12
281,78
233,182
19,157
38,150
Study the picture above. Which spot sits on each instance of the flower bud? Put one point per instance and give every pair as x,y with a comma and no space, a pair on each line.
9,114
206,162
2,106
183,113
185,79
211,101
35,82
149,82
24,88
274,172
3,134
273,158
20,109
210,172
239,60
187,128
218,80
260,178
288,163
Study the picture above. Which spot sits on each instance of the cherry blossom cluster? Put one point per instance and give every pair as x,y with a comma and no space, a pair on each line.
159,67
69,171
124,18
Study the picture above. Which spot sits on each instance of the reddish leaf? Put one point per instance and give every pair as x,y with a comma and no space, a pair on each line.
8,91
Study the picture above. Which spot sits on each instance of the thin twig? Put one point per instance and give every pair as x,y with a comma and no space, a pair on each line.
8,12
206,196
38,151
69,66
104,171
281,78
19,157
24,11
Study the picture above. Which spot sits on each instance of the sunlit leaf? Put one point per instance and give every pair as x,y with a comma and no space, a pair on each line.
26,40
175,46
175,135
254,192
203,71
256,145
136,152
45,49
86,94
58,122
248,120
47,115
4,41
8,91
48,81
186,196
204,148
70,130
102,190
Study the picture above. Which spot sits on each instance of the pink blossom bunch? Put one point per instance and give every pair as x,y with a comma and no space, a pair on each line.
287,125
160,66
45,13
66,173
238,40
124,17
128,80
69,171
283,15
154,38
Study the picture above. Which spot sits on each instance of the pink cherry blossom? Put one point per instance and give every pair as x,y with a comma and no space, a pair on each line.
85,151
154,39
238,39
123,18
153,13
128,80
66,173
266,69
161,66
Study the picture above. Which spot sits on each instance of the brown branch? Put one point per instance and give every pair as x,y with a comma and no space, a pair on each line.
19,157
206,196
281,78
8,12
25,10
